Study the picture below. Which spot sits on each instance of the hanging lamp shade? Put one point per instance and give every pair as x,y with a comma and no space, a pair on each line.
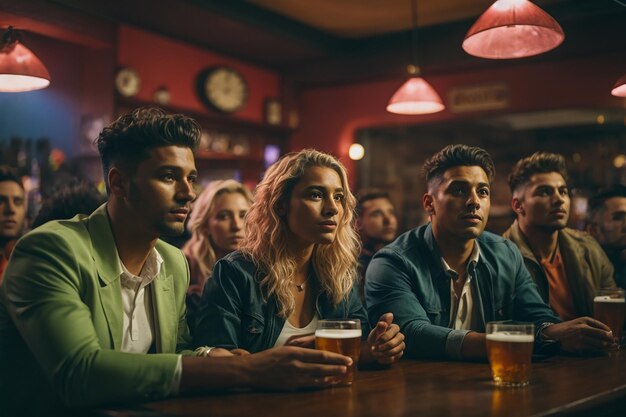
619,89
20,69
415,96
513,29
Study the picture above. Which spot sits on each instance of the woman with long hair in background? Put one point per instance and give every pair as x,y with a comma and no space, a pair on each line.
216,225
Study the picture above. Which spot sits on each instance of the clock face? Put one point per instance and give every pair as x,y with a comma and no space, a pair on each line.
127,82
223,89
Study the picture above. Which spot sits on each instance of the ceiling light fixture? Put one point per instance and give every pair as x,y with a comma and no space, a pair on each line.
513,29
356,152
20,69
416,95
619,89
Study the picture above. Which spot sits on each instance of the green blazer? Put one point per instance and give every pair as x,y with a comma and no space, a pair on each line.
61,320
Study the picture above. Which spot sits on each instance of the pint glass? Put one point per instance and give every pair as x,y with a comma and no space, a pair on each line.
340,336
510,348
609,306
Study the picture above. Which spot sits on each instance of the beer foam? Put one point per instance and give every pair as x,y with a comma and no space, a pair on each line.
511,337
607,299
338,333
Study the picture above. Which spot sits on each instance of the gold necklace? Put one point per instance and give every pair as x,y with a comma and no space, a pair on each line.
300,287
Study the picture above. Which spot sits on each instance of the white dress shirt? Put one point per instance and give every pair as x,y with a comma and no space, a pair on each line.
138,322
462,314
139,319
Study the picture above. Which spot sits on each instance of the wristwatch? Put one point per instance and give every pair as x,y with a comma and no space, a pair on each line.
544,345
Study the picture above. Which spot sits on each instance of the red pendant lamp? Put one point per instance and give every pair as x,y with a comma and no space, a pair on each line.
513,29
619,89
416,95
20,69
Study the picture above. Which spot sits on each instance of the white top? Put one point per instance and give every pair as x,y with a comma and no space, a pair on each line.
138,333
462,307
289,330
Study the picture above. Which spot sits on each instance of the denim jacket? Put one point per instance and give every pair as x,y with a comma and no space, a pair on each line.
233,312
407,278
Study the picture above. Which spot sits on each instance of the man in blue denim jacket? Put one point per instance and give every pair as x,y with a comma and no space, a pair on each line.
442,312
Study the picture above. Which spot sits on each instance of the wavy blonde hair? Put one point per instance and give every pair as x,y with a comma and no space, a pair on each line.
199,245
266,233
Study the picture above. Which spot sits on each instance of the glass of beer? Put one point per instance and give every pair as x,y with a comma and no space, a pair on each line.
609,307
340,336
510,348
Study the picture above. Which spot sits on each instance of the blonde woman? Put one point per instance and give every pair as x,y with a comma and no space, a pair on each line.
216,224
297,265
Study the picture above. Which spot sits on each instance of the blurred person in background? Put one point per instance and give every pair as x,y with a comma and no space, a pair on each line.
12,213
606,221
567,265
66,202
216,225
376,223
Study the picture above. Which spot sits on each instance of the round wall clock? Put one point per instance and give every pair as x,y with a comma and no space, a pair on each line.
127,82
222,89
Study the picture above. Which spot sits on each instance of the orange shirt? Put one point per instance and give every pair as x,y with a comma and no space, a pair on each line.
3,265
4,256
561,299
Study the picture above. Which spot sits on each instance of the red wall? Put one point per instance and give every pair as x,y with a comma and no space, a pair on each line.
161,61
330,116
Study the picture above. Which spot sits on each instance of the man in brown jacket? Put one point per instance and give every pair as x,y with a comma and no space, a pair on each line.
567,265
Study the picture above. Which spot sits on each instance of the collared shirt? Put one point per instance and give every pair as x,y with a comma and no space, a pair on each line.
138,326
462,312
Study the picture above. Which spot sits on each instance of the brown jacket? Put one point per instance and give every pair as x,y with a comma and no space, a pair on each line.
586,266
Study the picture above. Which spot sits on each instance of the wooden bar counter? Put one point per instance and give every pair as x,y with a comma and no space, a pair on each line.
561,385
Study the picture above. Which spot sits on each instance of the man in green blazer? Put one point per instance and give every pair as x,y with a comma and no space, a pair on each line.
92,309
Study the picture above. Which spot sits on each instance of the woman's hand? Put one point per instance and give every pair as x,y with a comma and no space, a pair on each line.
305,341
385,342
239,352
224,353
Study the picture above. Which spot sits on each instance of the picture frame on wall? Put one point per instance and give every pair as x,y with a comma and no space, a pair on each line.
273,112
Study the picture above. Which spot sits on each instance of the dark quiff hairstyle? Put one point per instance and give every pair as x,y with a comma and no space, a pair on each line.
537,163
9,174
596,203
368,194
128,141
457,155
